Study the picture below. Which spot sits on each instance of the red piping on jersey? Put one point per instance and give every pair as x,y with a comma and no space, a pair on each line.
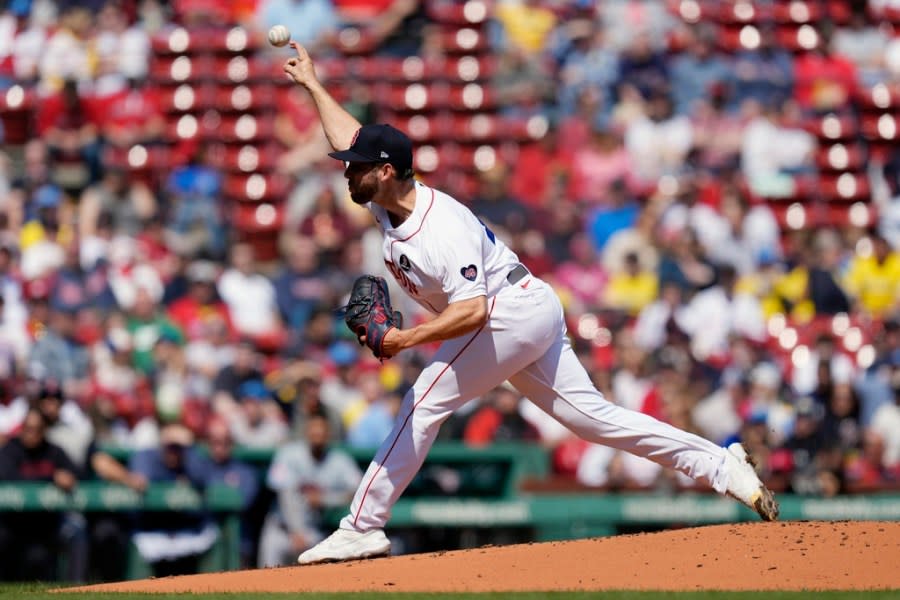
422,222
418,402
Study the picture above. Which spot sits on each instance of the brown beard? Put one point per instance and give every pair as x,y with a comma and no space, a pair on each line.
363,192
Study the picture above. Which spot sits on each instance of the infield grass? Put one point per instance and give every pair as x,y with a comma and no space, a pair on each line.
42,592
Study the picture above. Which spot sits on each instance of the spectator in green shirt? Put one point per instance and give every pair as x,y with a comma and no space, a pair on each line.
147,325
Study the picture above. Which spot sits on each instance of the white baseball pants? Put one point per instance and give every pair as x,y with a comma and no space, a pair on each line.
524,341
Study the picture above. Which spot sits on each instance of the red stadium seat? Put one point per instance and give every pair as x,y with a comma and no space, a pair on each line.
472,97
257,218
245,99
464,41
798,38
878,98
694,11
240,69
796,12
833,127
17,108
881,150
839,11
242,129
247,158
839,157
845,187
471,13
227,40
426,128
174,40
742,12
256,187
467,68
175,70
477,127
415,96
186,98
138,158
880,127
792,215
859,214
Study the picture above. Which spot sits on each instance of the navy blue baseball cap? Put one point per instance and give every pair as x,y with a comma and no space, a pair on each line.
380,143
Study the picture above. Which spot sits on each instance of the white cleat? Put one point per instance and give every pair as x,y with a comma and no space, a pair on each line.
745,486
346,544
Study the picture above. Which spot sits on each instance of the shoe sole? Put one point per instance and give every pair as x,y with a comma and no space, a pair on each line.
764,504
364,556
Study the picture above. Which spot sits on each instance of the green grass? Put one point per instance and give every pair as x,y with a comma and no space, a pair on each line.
41,592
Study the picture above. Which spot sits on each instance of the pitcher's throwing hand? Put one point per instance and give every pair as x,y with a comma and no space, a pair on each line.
300,67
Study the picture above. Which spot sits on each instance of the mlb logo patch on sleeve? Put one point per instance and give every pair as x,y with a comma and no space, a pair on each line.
470,272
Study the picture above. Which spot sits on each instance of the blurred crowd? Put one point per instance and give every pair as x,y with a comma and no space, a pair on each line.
136,312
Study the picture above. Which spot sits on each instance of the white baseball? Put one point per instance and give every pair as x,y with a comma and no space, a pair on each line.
279,35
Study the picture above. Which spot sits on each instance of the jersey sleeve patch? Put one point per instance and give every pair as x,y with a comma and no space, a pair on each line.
470,272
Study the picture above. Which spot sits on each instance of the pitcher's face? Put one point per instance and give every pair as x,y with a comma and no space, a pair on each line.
363,181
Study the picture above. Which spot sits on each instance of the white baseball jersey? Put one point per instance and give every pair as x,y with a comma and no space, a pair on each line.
442,253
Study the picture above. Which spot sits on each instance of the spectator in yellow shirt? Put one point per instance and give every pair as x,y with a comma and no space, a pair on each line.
873,279
526,25
633,288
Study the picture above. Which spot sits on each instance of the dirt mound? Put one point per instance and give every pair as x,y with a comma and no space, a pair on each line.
757,556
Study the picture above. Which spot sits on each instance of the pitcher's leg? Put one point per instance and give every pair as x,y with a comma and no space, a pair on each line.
462,369
558,383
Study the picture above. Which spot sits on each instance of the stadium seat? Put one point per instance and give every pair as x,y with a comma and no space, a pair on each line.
256,187
17,108
741,12
840,157
859,214
173,40
879,127
257,218
693,11
839,11
477,127
845,187
878,98
464,41
797,12
415,96
468,68
175,70
245,128
245,99
472,97
426,128
248,158
797,38
833,127
471,13
229,40
186,98
177,40
139,158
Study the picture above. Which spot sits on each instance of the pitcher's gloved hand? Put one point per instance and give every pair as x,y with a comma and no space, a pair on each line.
369,314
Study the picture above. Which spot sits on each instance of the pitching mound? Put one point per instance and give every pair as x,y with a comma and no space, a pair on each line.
757,556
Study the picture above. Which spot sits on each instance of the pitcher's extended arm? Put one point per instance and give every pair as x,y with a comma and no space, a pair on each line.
340,126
